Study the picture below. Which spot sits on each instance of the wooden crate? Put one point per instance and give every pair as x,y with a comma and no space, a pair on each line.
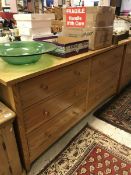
9,157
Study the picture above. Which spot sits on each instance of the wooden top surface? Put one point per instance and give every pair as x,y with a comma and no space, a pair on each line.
12,74
5,114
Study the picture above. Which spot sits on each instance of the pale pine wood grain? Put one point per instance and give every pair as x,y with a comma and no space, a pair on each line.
76,85
11,74
125,76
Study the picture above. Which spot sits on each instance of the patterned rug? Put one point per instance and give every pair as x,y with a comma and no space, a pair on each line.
91,153
118,111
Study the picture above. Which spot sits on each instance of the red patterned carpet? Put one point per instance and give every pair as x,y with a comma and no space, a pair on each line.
91,153
100,161
118,111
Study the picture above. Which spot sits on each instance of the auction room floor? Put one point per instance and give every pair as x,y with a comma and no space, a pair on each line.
111,131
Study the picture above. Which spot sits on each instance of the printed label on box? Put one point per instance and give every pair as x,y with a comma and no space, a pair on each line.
75,17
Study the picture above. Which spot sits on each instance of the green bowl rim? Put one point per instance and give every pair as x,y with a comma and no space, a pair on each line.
49,50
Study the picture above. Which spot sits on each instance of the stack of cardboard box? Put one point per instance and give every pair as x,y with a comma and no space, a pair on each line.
98,27
56,25
58,13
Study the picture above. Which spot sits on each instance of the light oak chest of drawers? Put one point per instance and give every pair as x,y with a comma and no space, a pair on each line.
50,104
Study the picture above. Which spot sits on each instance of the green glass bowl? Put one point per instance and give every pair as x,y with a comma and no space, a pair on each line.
24,52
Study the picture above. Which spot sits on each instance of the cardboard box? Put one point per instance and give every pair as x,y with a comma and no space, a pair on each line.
98,37
56,22
113,3
58,13
97,16
104,3
56,26
98,27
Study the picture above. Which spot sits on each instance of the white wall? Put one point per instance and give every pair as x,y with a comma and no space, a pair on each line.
126,5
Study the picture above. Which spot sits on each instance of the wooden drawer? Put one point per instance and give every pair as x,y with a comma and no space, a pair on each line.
39,88
44,111
128,52
105,60
126,68
126,79
104,79
101,96
41,138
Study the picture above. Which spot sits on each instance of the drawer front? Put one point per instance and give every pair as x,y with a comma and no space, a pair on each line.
126,72
129,50
126,75
37,89
46,110
103,85
101,96
104,79
40,139
126,79
105,60
128,57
